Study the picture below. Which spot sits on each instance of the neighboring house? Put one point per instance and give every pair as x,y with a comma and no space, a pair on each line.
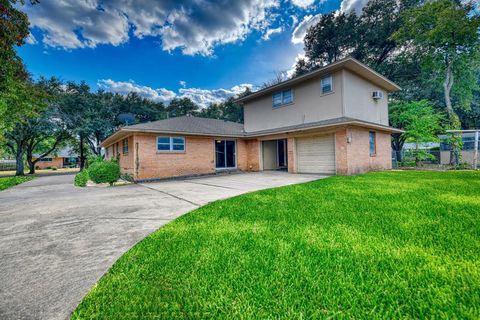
333,120
64,158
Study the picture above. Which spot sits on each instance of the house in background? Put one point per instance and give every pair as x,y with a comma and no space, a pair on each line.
64,158
333,120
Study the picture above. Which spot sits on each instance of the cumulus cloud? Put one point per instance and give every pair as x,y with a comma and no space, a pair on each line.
301,29
348,6
157,95
195,27
303,3
269,32
202,97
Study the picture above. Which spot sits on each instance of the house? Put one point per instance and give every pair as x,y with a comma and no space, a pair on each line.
333,120
64,158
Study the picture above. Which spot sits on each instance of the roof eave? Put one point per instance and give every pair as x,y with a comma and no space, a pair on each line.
381,81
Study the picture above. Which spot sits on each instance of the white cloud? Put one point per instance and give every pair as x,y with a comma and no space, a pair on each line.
31,39
348,6
290,72
195,27
202,97
269,32
183,83
301,29
303,3
157,95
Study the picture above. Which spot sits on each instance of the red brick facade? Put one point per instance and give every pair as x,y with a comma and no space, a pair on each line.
352,151
143,161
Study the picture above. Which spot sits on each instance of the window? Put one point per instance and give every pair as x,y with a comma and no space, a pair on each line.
46,159
167,144
282,97
372,140
327,84
125,146
117,148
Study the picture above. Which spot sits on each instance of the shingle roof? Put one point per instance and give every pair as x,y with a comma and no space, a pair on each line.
220,128
190,124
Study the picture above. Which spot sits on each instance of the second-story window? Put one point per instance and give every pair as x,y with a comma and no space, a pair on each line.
326,84
282,97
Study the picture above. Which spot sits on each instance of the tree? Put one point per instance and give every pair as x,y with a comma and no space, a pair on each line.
75,107
182,107
17,139
14,82
445,33
366,37
227,110
420,122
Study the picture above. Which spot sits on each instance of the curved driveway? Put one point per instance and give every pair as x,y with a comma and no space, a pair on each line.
56,240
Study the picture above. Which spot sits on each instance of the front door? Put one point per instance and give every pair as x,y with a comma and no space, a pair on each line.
282,153
225,154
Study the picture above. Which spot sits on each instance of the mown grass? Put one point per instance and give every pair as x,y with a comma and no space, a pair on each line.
8,182
382,245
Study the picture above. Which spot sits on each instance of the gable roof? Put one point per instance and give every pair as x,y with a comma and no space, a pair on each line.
184,125
348,63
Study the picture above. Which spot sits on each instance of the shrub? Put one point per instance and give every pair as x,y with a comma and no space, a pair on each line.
127,177
81,178
54,168
104,171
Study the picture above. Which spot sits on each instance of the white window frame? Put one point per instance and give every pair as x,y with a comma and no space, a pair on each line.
282,103
331,84
171,144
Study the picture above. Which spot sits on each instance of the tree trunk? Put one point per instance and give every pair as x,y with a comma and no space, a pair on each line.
398,154
447,88
19,160
82,156
31,164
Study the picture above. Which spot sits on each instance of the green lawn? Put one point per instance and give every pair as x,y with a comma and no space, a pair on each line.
382,245
8,182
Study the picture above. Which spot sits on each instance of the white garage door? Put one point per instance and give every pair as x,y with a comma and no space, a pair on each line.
316,154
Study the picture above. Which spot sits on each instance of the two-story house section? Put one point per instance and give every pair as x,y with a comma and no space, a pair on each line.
333,120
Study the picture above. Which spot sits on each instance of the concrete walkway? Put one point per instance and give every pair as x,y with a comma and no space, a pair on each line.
56,240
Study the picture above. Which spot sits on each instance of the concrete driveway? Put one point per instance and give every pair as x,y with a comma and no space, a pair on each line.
56,240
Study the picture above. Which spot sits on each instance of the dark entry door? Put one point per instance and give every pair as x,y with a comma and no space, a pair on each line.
225,155
282,153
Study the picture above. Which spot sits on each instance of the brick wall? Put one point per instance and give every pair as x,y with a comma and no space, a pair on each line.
358,151
341,151
292,155
198,158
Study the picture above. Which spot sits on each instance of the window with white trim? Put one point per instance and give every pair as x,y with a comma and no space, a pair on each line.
282,97
169,144
326,84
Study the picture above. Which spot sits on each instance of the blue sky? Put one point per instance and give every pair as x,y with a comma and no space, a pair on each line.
206,50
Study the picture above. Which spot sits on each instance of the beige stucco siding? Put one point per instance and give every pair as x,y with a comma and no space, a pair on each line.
308,106
358,100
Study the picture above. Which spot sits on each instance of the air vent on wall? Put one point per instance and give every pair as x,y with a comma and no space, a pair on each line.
377,95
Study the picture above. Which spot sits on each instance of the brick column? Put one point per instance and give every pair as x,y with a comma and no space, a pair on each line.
292,155
341,146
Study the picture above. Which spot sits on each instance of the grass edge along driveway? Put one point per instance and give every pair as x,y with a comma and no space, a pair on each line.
380,245
8,182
